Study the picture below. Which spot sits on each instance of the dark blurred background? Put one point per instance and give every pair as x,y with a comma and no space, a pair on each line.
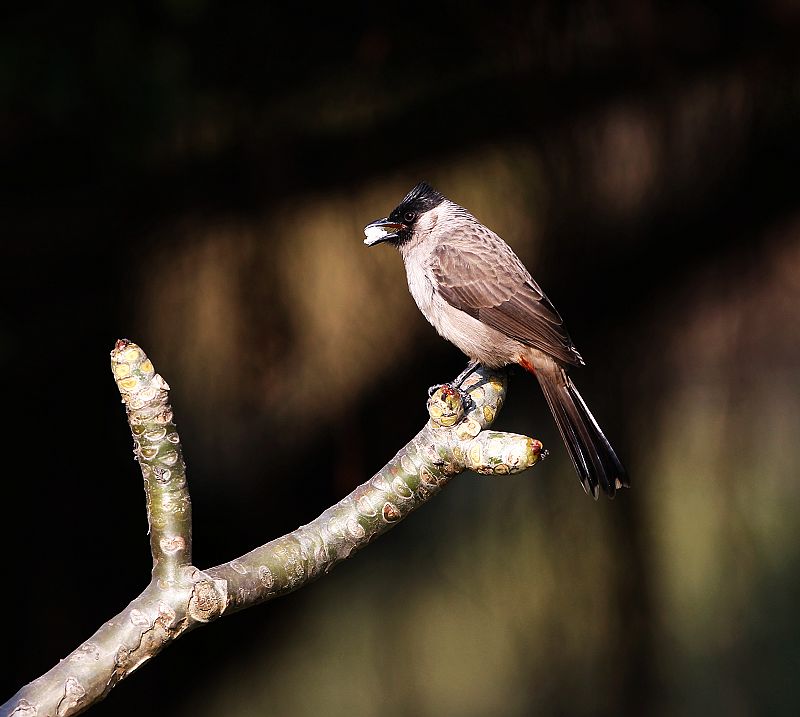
195,176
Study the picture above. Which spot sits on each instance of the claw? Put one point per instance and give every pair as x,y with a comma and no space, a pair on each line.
466,399
433,389
451,389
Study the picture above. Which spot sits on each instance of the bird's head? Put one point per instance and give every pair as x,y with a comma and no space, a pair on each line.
399,226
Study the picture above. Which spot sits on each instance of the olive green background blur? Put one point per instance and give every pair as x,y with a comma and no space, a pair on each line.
195,176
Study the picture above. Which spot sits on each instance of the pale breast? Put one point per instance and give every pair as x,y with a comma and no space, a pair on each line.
420,286
475,339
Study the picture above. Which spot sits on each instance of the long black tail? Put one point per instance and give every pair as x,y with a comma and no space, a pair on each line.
595,460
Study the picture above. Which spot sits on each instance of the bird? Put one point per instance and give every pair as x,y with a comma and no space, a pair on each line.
474,290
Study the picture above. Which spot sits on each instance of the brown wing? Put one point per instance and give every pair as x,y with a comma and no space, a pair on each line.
481,276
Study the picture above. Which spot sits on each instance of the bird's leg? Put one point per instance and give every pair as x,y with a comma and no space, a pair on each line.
471,366
456,385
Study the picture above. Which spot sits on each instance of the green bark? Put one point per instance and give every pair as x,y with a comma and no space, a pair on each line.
181,597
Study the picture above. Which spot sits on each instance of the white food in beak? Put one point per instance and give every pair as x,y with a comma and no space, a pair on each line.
375,234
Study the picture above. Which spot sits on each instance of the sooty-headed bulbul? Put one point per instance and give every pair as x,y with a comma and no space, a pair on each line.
476,293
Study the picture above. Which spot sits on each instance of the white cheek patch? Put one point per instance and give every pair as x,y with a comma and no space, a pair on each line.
375,234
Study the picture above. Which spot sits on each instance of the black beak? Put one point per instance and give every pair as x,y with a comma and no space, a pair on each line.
381,230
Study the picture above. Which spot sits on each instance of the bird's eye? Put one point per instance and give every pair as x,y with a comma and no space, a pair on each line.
410,217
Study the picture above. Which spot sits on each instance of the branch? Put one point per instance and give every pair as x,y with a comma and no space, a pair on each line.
181,597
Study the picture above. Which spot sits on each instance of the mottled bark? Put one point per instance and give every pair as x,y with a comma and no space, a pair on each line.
180,596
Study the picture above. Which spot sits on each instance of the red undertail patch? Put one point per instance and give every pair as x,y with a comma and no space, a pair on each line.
527,365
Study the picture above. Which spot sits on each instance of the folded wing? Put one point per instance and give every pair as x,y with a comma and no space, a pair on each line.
482,277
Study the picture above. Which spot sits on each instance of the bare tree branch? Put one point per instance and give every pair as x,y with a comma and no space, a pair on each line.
157,449
180,596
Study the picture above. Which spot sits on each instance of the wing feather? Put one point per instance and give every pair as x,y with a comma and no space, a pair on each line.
480,275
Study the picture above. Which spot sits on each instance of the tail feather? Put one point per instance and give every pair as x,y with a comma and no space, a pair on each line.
595,460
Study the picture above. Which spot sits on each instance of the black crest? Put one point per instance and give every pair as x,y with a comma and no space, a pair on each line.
423,196
419,200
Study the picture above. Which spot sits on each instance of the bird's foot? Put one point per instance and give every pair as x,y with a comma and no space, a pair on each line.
466,399
433,389
455,386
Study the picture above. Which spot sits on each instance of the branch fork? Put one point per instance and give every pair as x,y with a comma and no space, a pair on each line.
181,597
